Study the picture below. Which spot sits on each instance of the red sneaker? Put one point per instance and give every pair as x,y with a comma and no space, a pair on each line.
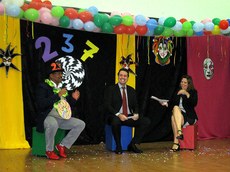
61,150
52,155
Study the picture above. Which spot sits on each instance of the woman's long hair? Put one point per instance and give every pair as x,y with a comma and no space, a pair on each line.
190,82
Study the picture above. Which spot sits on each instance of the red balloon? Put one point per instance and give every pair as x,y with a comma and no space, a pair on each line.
85,16
207,32
223,24
35,4
47,4
71,13
182,20
130,29
120,29
141,30
25,7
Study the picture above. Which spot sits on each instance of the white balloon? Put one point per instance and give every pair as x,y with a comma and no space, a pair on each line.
19,3
7,2
226,31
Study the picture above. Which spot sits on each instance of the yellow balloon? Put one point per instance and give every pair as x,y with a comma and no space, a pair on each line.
216,30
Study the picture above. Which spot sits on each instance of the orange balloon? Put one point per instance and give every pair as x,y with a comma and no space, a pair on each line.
85,16
71,13
37,1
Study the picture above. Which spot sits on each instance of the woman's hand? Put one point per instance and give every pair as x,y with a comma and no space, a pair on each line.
183,92
164,104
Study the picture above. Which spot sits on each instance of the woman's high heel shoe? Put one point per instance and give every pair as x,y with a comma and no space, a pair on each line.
180,136
175,147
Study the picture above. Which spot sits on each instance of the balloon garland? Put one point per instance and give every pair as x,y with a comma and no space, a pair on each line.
92,20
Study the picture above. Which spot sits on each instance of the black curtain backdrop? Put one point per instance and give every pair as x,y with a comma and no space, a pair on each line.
99,72
160,81
152,79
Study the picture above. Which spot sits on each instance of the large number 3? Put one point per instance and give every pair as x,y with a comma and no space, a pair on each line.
67,42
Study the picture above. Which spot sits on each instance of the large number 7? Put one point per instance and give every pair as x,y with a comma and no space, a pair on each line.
89,53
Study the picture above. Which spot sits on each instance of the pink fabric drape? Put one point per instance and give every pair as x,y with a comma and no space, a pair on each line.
213,107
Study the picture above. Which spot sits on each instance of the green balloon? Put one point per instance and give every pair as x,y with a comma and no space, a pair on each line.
115,20
31,14
81,10
192,22
21,14
167,32
186,26
216,21
107,28
189,32
64,21
127,20
159,30
170,22
179,33
99,19
57,11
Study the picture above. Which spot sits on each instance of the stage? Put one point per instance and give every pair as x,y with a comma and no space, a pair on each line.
210,155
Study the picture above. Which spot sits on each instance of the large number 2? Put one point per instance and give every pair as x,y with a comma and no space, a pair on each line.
46,55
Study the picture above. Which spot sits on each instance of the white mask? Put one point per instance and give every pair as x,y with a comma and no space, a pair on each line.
208,67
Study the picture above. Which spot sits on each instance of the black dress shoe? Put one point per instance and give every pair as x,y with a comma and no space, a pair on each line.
132,148
118,150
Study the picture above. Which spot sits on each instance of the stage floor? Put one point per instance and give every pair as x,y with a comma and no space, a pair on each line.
210,155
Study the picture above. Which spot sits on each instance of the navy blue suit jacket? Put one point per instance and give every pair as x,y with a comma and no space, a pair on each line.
113,100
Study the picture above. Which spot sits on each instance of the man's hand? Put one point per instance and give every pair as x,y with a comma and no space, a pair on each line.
135,117
62,92
122,117
76,94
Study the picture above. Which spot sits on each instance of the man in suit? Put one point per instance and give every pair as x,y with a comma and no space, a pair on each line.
124,113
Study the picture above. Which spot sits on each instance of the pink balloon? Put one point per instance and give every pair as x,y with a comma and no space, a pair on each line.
206,20
43,9
46,17
97,29
126,14
1,8
115,13
55,21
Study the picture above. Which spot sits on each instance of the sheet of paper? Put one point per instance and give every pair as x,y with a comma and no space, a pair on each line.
159,100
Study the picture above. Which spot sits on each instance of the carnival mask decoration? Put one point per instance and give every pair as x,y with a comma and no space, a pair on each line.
208,67
7,57
162,49
126,62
